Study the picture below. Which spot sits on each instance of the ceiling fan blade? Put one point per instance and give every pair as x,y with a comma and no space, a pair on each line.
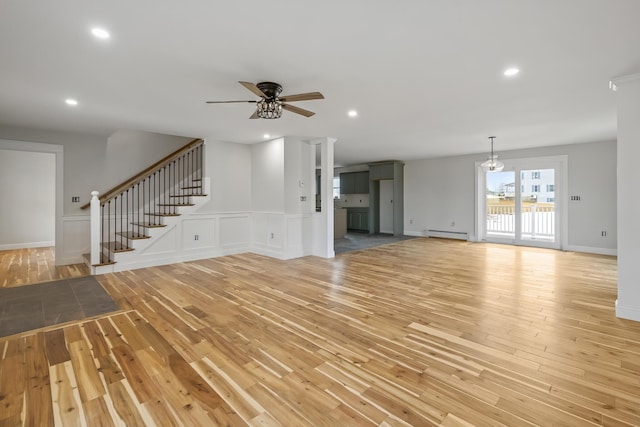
254,115
301,97
298,110
253,88
226,102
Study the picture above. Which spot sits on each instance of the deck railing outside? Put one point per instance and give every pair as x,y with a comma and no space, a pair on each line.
538,221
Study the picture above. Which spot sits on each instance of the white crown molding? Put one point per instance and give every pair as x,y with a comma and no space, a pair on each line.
617,81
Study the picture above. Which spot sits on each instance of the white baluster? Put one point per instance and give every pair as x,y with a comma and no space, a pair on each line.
95,228
533,221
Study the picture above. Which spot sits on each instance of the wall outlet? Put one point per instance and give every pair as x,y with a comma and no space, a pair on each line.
75,199
196,237
603,233
575,198
272,236
410,221
453,223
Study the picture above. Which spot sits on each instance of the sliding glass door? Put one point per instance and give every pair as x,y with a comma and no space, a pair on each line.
518,205
537,205
500,197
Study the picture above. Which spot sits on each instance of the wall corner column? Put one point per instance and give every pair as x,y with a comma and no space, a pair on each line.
628,209
326,195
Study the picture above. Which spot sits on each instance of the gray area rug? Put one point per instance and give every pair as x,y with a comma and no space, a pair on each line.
24,308
355,241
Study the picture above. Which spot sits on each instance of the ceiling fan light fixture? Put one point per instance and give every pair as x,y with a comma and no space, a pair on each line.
269,109
492,164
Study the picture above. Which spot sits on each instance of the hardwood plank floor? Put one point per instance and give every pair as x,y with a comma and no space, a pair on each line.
422,332
35,265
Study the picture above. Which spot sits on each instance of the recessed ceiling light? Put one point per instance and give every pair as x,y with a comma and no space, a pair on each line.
510,72
266,136
71,102
100,33
352,113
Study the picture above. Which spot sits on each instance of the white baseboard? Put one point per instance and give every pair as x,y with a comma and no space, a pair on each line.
414,233
627,312
174,258
592,250
457,235
262,250
70,260
29,245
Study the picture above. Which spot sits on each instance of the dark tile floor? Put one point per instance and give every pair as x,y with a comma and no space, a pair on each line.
24,308
355,240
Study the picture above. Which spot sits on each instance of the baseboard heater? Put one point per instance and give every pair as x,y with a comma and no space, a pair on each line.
442,234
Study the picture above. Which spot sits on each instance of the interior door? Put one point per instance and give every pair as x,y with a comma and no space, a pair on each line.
386,206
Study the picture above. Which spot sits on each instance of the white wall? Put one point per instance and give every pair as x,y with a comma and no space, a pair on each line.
282,223
628,96
28,220
229,166
267,179
438,192
128,152
441,191
297,175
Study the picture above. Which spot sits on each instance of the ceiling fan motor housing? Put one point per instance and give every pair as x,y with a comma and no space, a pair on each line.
270,89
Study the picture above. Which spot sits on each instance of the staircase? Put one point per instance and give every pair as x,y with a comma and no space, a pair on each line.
130,216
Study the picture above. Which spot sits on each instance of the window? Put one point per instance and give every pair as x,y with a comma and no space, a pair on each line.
522,188
535,175
336,187
521,175
551,199
550,188
535,188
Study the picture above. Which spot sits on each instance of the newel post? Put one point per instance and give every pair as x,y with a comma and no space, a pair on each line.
95,228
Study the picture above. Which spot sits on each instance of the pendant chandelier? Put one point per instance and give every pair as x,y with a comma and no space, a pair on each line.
492,164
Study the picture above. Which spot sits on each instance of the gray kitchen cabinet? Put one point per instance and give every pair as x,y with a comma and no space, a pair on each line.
354,183
358,219
362,183
347,183
381,171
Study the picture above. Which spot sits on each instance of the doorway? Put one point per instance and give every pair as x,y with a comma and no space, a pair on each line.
521,204
40,150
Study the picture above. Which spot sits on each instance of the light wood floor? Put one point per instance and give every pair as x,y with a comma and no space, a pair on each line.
27,266
422,332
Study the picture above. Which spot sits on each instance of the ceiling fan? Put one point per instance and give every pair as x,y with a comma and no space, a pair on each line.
271,104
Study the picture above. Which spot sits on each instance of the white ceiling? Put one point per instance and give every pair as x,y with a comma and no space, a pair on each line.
424,75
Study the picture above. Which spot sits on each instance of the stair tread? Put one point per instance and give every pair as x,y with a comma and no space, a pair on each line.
188,195
175,204
162,214
131,235
192,187
147,225
87,258
116,247
197,179
102,264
